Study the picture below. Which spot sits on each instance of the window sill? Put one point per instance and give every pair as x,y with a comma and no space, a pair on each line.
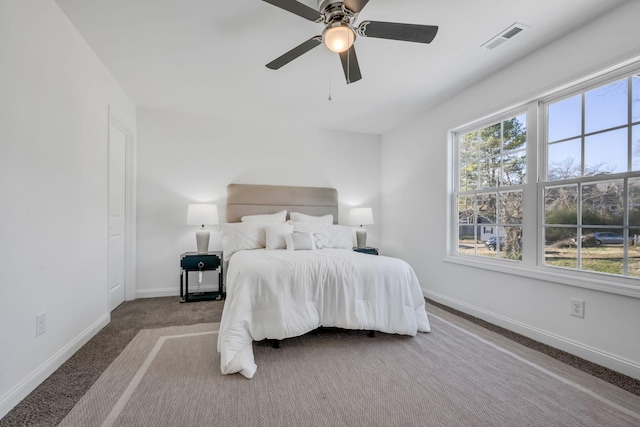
594,281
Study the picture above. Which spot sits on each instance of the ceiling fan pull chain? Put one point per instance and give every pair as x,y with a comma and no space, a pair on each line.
348,66
349,60
329,68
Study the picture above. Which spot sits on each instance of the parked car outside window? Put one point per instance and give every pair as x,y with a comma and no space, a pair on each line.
491,243
605,238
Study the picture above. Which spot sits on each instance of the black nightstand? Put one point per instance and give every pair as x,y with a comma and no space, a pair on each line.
194,261
367,250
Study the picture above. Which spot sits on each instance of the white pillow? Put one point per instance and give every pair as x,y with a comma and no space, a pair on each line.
266,218
275,235
329,236
300,217
300,241
239,236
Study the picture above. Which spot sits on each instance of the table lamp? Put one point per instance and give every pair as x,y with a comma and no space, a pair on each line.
361,216
202,214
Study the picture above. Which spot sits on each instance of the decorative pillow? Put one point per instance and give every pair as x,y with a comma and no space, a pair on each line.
300,217
238,236
266,218
275,235
300,241
328,236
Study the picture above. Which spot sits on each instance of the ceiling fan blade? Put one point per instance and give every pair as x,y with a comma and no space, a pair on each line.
350,65
395,31
297,8
295,52
355,5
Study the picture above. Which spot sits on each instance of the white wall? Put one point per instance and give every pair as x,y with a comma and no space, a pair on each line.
185,158
54,100
414,181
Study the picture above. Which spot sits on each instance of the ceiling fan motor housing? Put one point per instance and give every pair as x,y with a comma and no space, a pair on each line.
322,4
334,11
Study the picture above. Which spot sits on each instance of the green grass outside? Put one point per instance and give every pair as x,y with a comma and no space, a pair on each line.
603,259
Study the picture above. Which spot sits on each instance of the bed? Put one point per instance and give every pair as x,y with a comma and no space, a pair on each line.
291,269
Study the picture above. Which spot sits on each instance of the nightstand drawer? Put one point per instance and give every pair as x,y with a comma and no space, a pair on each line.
200,262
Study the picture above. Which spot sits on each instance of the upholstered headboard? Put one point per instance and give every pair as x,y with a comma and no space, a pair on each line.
245,199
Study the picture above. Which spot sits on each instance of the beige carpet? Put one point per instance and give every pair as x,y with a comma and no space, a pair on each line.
458,375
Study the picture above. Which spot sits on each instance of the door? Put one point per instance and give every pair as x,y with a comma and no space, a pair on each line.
117,197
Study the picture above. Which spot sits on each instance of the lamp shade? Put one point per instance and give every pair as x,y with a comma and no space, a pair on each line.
202,214
338,38
361,216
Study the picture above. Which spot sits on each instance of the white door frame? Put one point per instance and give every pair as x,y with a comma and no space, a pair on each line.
130,206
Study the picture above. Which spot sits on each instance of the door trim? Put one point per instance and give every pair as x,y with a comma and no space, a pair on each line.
116,120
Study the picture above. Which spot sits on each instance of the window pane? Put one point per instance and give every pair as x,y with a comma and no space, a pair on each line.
490,141
468,177
486,209
565,118
559,247
487,248
466,214
635,98
466,240
603,203
510,243
606,153
469,141
603,251
633,257
514,169
634,201
487,242
561,205
564,160
606,106
488,173
515,133
469,148
635,147
511,208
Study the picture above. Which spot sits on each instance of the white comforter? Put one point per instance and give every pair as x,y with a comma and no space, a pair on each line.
278,294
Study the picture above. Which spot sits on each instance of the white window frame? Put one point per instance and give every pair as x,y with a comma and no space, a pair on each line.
532,264
528,189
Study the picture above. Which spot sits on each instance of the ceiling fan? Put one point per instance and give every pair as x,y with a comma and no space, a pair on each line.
339,34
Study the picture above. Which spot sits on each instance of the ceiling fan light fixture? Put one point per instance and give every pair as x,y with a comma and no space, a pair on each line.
338,38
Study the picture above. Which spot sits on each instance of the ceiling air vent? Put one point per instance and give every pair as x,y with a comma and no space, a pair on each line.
504,36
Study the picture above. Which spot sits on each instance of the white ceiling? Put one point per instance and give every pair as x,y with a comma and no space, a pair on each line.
208,56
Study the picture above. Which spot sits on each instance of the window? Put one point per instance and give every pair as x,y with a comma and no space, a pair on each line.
492,170
592,183
554,185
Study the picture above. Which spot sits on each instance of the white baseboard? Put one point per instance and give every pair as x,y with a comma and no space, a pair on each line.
33,380
169,292
595,355
154,293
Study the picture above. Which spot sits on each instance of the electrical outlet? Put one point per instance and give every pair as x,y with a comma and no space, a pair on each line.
41,323
577,307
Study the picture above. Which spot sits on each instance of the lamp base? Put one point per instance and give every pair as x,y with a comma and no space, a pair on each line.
202,240
361,237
